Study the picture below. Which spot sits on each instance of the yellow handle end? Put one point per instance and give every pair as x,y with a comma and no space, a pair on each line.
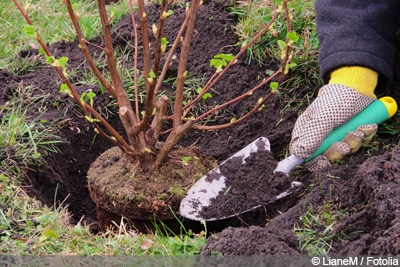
390,105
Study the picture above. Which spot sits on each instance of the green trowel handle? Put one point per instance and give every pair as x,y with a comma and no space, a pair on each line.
377,112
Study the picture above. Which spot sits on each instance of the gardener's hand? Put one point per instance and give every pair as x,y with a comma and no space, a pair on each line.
334,105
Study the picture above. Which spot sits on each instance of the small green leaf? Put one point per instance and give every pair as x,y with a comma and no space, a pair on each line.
48,234
167,14
90,119
292,36
226,57
274,86
289,66
221,60
50,59
217,63
206,96
91,95
233,120
152,74
88,96
185,160
63,61
30,31
282,44
65,89
164,43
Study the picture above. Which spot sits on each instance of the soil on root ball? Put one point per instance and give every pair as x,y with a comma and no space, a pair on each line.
118,186
363,188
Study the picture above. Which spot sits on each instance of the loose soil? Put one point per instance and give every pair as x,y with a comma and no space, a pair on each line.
265,187
364,188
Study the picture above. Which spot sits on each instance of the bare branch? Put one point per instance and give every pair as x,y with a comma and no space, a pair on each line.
130,122
172,140
149,81
156,125
135,61
248,93
288,48
158,35
194,8
85,50
256,108
170,55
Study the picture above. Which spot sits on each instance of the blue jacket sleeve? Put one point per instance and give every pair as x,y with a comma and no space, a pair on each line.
361,33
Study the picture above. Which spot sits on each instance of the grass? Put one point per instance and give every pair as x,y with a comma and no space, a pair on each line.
24,141
316,235
53,26
29,228
252,15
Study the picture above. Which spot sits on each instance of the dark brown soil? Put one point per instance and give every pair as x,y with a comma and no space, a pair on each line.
365,188
264,188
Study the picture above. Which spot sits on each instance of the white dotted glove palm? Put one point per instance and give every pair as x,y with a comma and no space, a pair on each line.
335,105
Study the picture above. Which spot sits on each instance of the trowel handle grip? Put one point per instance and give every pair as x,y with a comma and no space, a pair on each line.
377,112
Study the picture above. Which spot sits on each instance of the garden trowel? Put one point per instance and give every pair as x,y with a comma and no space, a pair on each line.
203,194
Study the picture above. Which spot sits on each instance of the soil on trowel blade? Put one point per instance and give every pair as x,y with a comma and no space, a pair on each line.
247,185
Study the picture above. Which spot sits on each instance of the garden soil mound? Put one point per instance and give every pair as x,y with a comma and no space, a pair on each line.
364,189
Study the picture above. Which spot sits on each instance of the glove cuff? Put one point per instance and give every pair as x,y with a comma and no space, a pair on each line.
362,80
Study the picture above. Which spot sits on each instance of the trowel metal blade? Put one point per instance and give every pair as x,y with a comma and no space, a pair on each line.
213,184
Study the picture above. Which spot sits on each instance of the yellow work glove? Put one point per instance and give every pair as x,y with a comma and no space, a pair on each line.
349,91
